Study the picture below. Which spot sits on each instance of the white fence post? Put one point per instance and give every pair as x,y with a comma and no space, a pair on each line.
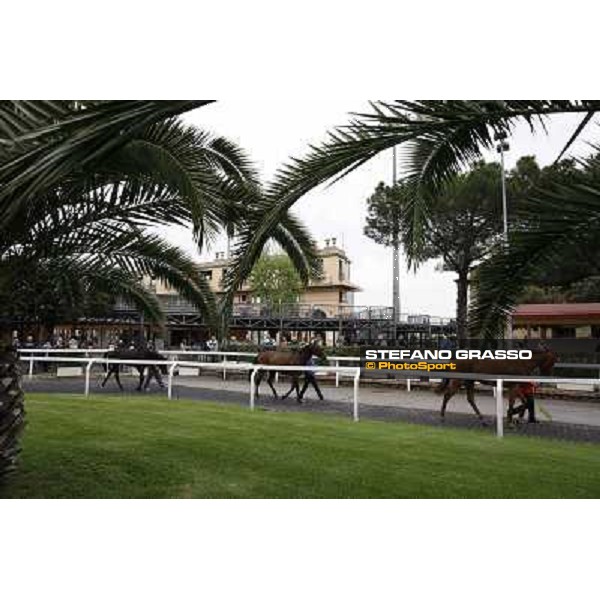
499,408
88,369
31,367
337,374
356,379
170,382
252,387
408,384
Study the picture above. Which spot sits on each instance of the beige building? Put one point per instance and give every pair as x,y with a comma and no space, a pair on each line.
332,290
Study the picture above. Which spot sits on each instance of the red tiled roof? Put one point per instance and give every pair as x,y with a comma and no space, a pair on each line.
579,309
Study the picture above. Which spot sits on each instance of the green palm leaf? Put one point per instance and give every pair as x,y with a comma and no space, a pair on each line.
42,143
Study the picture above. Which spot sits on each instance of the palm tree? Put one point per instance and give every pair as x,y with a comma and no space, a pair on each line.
440,139
41,144
80,185
558,225
93,221
12,412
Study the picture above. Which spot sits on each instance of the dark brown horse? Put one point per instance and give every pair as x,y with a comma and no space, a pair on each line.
290,357
541,361
136,354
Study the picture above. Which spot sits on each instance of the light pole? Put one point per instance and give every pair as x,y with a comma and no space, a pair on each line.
501,148
396,256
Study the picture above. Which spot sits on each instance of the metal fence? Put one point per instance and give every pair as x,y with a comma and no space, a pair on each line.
172,365
178,305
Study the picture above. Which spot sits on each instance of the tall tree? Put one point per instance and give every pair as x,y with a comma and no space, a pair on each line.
384,227
462,225
275,281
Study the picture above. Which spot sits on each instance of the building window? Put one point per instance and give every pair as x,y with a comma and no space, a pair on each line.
563,332
340,270
342,297
206,275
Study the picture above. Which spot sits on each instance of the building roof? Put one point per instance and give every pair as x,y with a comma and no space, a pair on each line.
333,251
558,311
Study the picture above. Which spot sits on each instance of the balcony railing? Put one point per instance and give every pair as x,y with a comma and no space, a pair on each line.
178,305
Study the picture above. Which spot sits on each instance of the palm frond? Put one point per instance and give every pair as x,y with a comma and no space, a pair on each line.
555,223
42,143
440,139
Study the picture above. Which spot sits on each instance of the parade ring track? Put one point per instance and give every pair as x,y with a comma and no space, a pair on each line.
546,429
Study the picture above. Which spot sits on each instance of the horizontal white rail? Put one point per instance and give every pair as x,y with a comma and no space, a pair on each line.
250,354
50,351
207,353
172,364
62,350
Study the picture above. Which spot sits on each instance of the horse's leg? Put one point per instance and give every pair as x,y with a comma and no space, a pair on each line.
154,372
257,380
293,387
310,378
117,378
270,382
451,389
158,377
109,372
296,386
304,388
470,385
140,370
148,379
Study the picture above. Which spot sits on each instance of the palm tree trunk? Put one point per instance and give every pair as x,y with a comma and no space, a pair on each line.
12,412
462,294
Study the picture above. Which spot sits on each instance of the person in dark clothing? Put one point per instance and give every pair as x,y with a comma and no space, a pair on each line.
526,393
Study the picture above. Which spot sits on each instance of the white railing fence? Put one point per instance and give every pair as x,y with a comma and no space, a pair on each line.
354,372
171,365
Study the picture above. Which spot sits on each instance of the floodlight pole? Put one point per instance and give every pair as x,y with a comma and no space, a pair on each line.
396,257
501,148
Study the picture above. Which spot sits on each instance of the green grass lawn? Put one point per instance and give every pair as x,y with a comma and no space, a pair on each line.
110,447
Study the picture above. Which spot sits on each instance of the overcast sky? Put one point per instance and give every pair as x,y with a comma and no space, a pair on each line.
273,130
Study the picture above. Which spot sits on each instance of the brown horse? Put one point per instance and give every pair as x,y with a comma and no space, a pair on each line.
136,354
290,357
543,361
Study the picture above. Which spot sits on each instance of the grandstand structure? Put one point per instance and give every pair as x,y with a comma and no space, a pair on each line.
336,324
325,308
